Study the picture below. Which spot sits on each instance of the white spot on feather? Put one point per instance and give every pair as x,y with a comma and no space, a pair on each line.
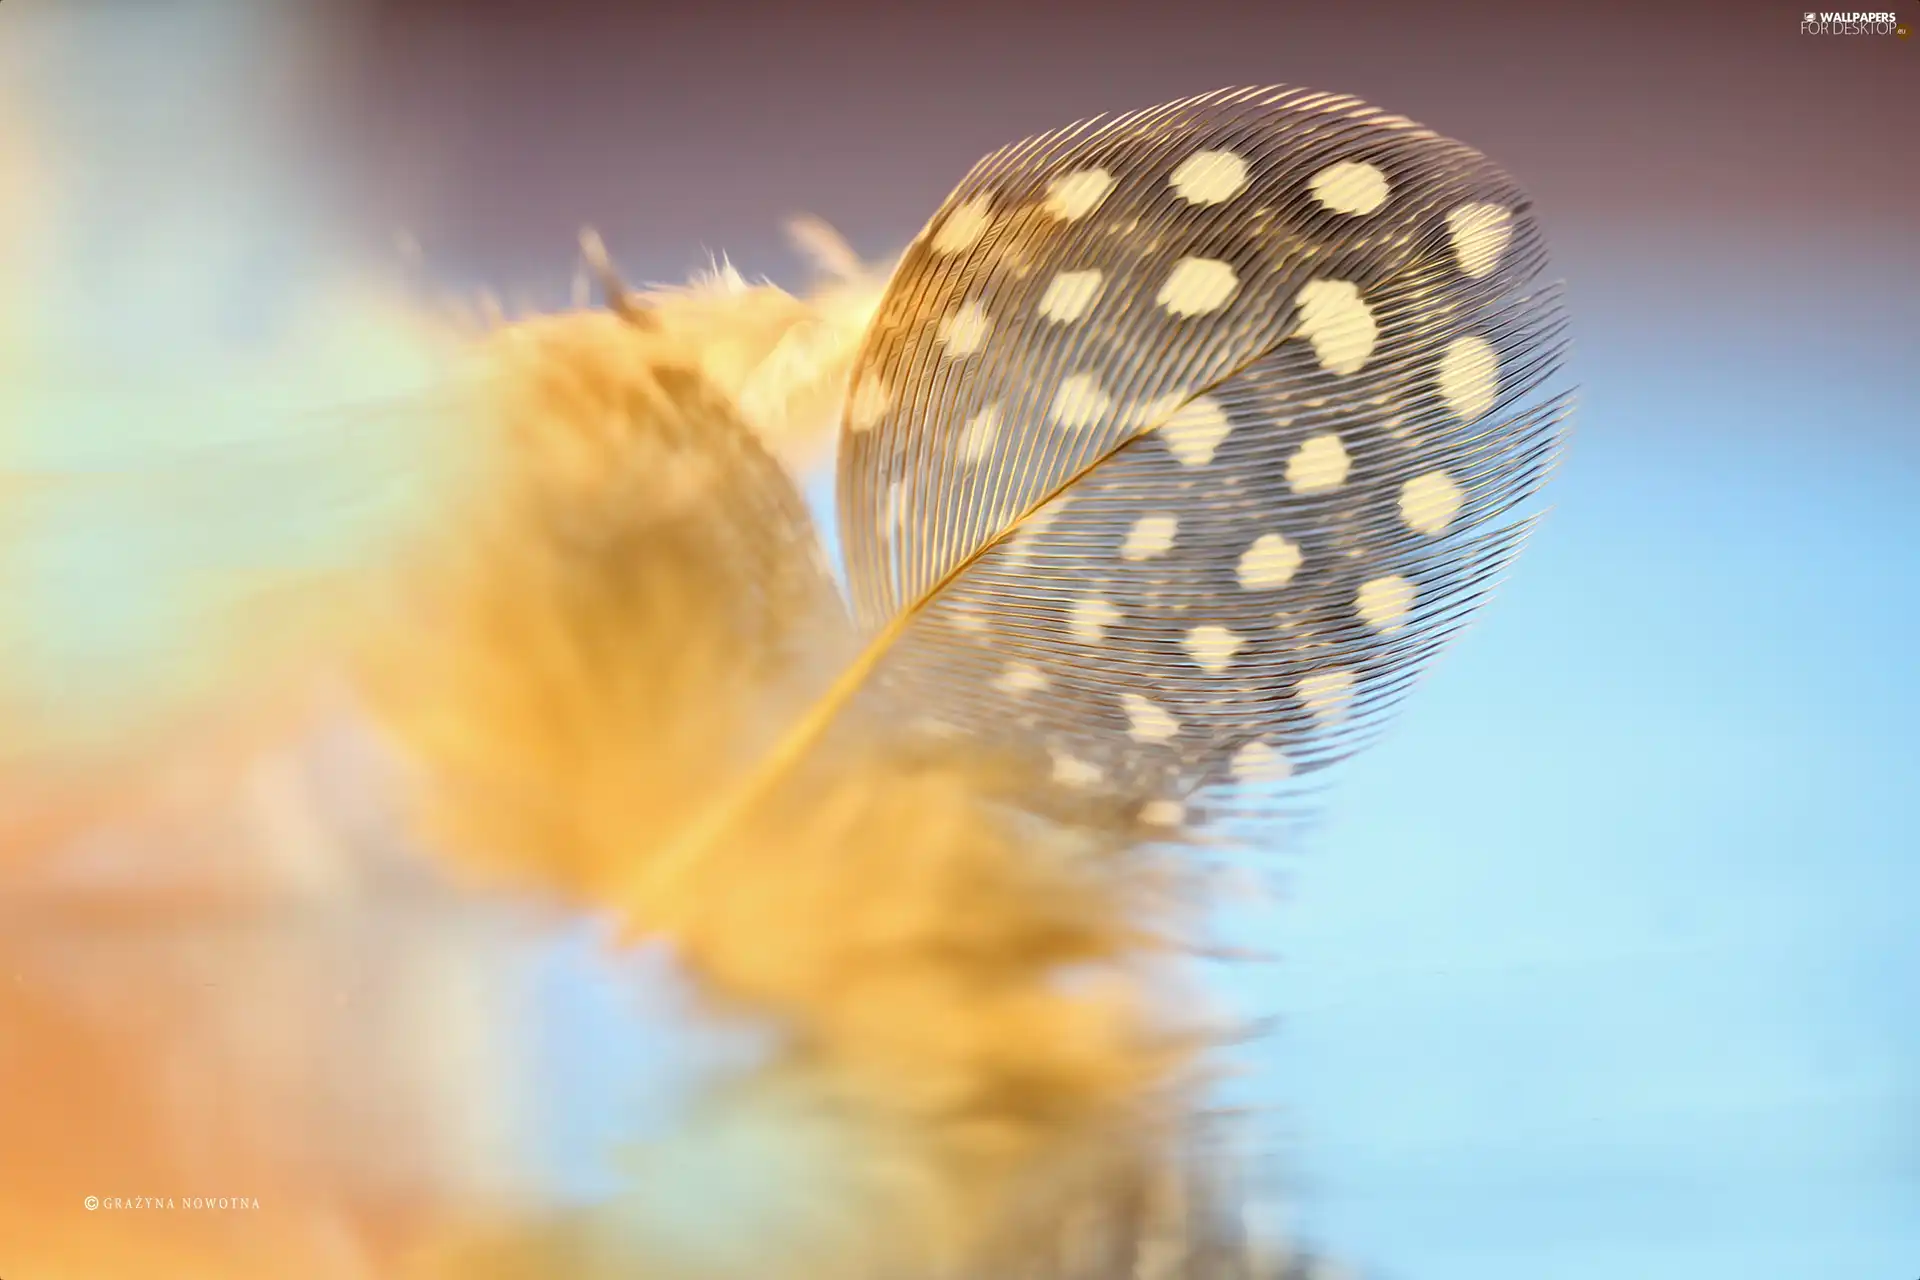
1020,678
1480,234
1150,721
1150,536
976,438
963,228
1080,403
1326,694
1070,295
1198,286
1428,503
1339,324
1383,603
1195,428
1469,376
1319,465
1212,646
1073,196
1258,762
1209,177
1091,617
965,331
1269,563
1351,186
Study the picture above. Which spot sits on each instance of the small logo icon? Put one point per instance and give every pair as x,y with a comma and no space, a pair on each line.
1853,24
93,1202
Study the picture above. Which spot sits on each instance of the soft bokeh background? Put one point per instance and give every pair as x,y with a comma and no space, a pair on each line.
1605,962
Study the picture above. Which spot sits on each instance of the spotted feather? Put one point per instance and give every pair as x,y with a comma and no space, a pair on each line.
1184,440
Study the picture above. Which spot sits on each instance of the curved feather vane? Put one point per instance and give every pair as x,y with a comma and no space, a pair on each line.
1182,441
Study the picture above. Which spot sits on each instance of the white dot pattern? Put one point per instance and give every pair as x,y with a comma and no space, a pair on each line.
1198,286
1149,722
1212,646
1351,186
1195,430
1480,233
1070,295
965,331
1091,617
1269,563
1259,762
1324,325
1073,196
1339,324
1080,403
1210,177
977,437
1151,535
961,229
1326,694
1428,503
1383,603
1470,377
1320,465
1021,679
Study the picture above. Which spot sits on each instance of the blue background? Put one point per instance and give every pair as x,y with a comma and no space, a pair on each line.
1605,963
